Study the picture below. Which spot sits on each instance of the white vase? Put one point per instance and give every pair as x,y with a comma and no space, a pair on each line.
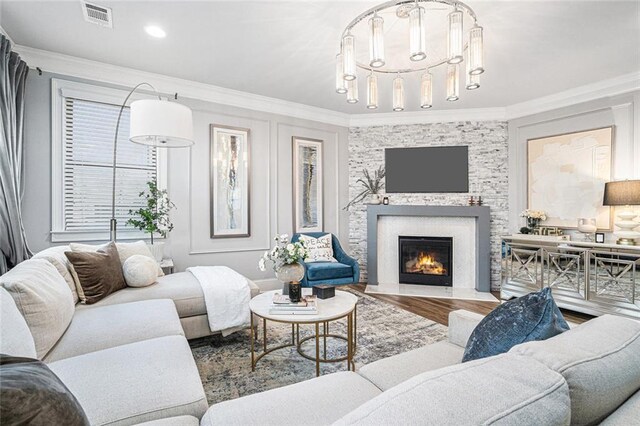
375,199
157,250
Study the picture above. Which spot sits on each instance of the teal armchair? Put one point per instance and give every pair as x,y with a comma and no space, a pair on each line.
344,271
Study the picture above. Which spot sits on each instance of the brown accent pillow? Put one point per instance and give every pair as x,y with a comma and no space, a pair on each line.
99,273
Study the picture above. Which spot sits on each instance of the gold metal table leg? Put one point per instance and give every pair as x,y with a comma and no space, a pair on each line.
324,336
253,355
264,334
293,334
317,349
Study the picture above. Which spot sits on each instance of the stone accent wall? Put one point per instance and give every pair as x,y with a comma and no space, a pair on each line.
488,174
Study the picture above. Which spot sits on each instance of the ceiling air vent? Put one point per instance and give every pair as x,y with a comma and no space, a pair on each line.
95,14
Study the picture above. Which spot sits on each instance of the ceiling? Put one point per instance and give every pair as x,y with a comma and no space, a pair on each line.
286,49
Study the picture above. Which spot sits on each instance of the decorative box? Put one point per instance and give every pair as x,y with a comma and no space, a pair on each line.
324,291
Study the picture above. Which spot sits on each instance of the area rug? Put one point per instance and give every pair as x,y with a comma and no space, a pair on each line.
384,330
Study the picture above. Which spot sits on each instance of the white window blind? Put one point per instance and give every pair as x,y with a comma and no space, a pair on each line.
88,130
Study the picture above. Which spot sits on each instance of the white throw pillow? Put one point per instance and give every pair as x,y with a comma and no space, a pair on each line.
320,249
15,336
55,255
139,271
44,300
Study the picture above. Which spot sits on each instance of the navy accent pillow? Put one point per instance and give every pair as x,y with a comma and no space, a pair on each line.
534,316
30,393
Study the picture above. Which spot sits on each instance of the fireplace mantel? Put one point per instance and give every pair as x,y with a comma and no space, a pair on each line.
483,243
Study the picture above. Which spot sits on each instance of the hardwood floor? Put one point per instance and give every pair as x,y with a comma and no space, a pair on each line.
438,309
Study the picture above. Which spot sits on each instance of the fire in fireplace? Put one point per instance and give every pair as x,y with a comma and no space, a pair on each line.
426,260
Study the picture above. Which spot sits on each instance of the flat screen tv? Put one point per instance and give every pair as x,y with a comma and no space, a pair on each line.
428,169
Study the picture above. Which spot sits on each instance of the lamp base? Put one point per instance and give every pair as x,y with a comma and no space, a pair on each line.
626,241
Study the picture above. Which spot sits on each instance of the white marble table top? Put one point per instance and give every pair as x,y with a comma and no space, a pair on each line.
328,309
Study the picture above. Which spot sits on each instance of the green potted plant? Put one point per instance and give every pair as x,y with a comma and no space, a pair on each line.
154,217
372,187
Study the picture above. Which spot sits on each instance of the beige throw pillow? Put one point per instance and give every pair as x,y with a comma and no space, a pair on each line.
55,255
320,249
44,300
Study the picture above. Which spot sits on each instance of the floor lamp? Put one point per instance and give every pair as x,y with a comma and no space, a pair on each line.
154,122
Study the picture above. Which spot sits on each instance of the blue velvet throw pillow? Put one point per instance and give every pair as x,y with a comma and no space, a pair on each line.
534,316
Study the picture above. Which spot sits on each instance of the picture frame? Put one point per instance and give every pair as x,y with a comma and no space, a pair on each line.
308,188
230,182
566,174
600,237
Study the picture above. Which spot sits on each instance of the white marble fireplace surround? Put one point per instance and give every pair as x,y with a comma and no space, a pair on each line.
469,228
461,229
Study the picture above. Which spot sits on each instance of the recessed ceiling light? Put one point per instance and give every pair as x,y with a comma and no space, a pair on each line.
155,31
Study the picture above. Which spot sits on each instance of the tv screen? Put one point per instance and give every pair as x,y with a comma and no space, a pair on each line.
431,169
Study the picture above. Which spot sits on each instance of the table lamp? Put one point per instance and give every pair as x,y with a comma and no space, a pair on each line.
624,193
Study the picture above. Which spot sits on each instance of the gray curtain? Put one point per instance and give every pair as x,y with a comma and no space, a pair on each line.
13,76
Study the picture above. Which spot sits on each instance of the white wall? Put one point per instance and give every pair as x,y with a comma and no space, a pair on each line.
622,111
188,182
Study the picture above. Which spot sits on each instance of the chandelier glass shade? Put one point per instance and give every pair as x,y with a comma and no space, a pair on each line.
372,91
406,37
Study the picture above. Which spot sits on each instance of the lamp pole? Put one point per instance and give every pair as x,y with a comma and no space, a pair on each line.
113,223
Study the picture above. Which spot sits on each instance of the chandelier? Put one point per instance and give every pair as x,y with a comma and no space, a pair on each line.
396,22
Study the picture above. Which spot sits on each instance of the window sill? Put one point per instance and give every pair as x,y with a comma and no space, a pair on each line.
77,236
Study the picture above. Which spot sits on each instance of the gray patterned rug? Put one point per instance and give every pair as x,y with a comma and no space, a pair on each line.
383,330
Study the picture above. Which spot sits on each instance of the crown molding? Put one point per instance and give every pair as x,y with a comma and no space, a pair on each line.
113,74
602,89
98,71
426,117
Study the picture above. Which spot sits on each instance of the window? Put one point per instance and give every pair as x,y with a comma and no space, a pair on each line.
83,160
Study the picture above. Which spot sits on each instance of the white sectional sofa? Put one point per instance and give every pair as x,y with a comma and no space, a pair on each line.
125,358
587,375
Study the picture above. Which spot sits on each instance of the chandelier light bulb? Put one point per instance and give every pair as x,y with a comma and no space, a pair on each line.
352,91
341,87
372,91
472,80
476,53
454,37
426,90
417,40
349,57
453,77
376,41
398,94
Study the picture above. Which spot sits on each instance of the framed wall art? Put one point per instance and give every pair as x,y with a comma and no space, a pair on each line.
566,175
307,185
230,182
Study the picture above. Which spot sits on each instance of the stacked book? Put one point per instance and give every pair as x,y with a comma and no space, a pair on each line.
281,305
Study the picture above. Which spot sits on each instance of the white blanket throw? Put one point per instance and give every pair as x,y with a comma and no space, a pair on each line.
226,295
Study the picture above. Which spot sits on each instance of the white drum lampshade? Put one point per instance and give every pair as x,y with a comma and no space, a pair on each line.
161,123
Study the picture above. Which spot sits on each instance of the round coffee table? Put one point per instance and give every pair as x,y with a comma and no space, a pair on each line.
342,305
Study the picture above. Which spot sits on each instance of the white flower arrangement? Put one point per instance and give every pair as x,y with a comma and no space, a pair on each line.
534,214
283,253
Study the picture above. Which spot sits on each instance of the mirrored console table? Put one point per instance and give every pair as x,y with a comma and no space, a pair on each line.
592,278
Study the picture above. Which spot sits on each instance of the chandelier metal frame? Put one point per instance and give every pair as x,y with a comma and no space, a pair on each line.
468,52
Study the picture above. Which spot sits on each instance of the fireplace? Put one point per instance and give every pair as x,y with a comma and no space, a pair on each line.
426,260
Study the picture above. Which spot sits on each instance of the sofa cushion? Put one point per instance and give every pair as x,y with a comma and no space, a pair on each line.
135,383
327,270
173,421
15,337
627,414
182,287
55,255
534,316
505,389
32,394
599,359
313,402
114,325
98,273
389,372
44,300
